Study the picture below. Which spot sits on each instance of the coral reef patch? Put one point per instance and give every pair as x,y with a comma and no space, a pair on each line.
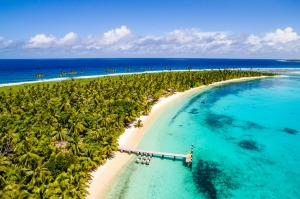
249,145
290,131
215,121
212,181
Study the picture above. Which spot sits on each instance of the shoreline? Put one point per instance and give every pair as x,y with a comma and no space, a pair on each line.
60,79
105,174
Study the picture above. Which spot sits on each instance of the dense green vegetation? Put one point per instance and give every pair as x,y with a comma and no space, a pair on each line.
52,135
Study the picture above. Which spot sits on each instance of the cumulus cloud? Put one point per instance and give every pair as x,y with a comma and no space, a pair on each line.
252,39
192,35
193,42
280,40
115,35
5,43
44,41
68,39
281,36
183,42
115,39
40,41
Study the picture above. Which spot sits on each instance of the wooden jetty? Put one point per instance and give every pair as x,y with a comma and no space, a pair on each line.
187,157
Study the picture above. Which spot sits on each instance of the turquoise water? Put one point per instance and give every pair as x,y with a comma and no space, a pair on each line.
246,137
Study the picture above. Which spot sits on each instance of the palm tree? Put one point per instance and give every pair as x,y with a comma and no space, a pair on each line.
109,145
138,124
44,192
60,134
29,159
39,76
91,160
37,176
62,73
72,73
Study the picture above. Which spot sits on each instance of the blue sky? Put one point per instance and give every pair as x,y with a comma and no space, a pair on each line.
156,28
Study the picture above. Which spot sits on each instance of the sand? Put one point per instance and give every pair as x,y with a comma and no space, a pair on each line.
104,175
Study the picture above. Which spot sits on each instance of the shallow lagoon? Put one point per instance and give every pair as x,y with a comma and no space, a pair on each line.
246,139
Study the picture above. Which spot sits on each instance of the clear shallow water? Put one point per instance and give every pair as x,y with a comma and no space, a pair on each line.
246,138
25,70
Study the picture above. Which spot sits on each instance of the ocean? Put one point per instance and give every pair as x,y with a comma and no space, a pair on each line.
16,71
246,145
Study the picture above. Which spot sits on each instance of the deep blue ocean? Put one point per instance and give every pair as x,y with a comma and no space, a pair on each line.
25,70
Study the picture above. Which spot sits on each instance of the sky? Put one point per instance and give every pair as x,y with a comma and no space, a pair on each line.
150,28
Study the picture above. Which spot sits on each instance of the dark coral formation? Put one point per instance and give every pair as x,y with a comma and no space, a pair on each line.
252,125
194,111
249,145
216,121
247,125
211,181
185,107
290,131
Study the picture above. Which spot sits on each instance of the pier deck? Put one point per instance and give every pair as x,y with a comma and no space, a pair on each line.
187,157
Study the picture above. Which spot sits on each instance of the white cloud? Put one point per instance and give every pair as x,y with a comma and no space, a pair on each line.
280,40
40,41
118,39
5,43
68,39
281,36
254,43
44,41
176,43
191,35
187,42
180,36
252,39
115,35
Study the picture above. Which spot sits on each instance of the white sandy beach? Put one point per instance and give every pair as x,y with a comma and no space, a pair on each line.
104,175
